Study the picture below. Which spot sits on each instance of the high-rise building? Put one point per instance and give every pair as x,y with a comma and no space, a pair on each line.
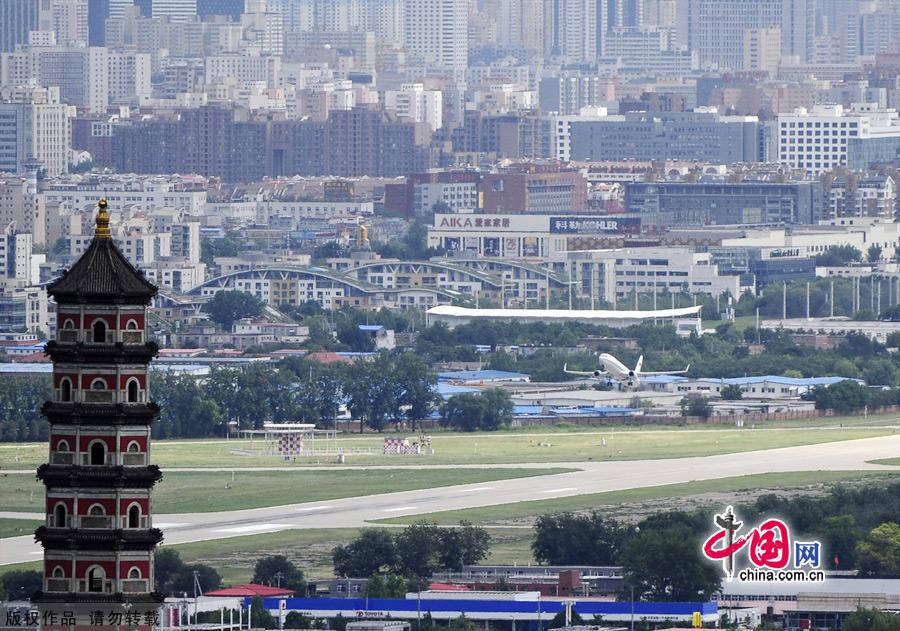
69,20
716,28
22,206
17,18
34,128
578,28
231,8
98,13
98,536
174,10
521,24
438,31
827,137
762,50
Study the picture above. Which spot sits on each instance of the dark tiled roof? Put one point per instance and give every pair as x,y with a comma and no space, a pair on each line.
102,273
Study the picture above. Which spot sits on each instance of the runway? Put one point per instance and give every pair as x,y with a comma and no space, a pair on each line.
593,477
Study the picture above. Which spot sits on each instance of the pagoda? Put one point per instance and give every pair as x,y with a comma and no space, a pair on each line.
98,538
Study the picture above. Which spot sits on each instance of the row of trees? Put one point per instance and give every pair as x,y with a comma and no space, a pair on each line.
660,557
415,553
387,388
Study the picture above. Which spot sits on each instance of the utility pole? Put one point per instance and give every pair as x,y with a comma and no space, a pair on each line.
784,300
547,302
831,299
807,300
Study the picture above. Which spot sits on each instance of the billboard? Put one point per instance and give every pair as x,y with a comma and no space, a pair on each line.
595,225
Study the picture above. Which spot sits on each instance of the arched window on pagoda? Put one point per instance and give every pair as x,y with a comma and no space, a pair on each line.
98,453
59,516
99,331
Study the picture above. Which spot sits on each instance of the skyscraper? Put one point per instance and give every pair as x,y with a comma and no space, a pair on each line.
17,17
577,29
438,30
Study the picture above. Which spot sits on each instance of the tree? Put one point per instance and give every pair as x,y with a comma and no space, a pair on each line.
296,620
844,396
390,586
838,255
174,577
227,306
372,552
21,584
559,620
465,545
732,392
840,536
260,618
278,570
665,565
461,624
873,254
498,409
489,410
871,620
210,248
371,390
463,412
415,383
418,550
569,539
696,405
879,552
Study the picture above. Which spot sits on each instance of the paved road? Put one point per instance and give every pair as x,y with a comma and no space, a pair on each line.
593,477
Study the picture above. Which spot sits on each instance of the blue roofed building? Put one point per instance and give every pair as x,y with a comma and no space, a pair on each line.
760,387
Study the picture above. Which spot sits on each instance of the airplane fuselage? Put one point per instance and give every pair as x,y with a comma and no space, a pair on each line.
617,371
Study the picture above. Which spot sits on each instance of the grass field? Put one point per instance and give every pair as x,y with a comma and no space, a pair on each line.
533,445
235,558
17,527
774,482
194,492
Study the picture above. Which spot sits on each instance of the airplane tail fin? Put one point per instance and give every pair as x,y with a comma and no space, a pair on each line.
639,365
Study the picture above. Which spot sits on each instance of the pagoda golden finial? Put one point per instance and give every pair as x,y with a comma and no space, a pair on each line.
102,231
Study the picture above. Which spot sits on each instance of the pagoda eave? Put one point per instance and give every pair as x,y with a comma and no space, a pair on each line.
98,539
64,413
74,476
89,598
118,353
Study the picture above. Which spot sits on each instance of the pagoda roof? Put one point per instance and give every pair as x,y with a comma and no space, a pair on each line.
102,273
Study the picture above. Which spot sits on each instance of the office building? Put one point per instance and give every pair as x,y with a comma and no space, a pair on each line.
704,136
716,29
825,137
17,18
762,50
23,207
69,20
231,8
437,30
576,30
34,128
412,101
720,202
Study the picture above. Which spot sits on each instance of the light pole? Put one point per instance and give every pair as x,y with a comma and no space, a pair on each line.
632,608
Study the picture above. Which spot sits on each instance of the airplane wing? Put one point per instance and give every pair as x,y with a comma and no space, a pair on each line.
580,373
665,372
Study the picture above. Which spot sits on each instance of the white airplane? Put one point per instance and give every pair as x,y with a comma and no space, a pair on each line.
614,370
